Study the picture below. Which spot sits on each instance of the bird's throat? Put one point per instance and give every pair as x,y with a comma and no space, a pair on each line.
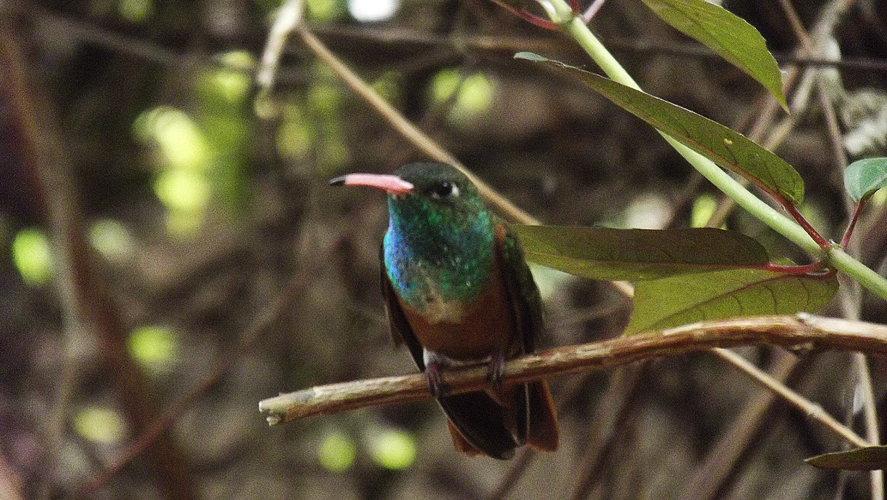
437,268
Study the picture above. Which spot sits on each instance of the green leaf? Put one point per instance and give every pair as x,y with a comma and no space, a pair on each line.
680,300
727,148
868,458
863,177
729,36
638,254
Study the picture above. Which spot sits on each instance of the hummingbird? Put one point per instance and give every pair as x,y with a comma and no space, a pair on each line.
458,291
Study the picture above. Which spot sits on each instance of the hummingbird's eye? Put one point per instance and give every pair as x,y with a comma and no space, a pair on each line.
444,189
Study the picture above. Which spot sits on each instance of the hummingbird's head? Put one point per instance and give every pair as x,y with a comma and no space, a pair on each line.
424,195
440,237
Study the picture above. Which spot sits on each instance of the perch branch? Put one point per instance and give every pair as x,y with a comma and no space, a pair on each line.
802,331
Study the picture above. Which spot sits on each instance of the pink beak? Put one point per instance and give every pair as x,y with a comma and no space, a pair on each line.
389,183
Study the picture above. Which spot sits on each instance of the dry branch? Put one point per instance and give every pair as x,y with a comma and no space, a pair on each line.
803,331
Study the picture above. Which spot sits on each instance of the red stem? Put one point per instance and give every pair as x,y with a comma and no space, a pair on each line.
803,269
855,217
822,242
793,211
531,18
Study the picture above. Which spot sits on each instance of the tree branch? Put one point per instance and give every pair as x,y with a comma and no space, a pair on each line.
802,331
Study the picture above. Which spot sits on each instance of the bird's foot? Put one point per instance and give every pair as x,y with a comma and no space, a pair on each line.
435,381
495,375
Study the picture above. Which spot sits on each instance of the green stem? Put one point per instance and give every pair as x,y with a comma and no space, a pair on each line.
559,12
866,277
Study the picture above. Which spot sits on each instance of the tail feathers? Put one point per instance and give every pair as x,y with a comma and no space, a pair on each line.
481,425
461,444
543,433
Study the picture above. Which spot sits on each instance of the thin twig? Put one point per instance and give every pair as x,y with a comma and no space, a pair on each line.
290,21
811,409
403,126
516,470
721,459
592,10
613,422
37,148
287,18
157,53
832,14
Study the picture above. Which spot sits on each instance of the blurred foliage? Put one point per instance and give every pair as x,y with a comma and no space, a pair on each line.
393,449
112,239
207,208
154,347
471,96
102,425
32,256
337,451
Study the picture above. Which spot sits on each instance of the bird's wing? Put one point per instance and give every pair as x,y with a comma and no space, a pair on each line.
538,425
522,290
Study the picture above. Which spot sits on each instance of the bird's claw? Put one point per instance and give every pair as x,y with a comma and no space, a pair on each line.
434,380
495,375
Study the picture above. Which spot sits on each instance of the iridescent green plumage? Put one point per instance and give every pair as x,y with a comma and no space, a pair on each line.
440,238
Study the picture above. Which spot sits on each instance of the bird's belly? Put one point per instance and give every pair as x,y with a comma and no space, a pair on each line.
437,310
466,331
